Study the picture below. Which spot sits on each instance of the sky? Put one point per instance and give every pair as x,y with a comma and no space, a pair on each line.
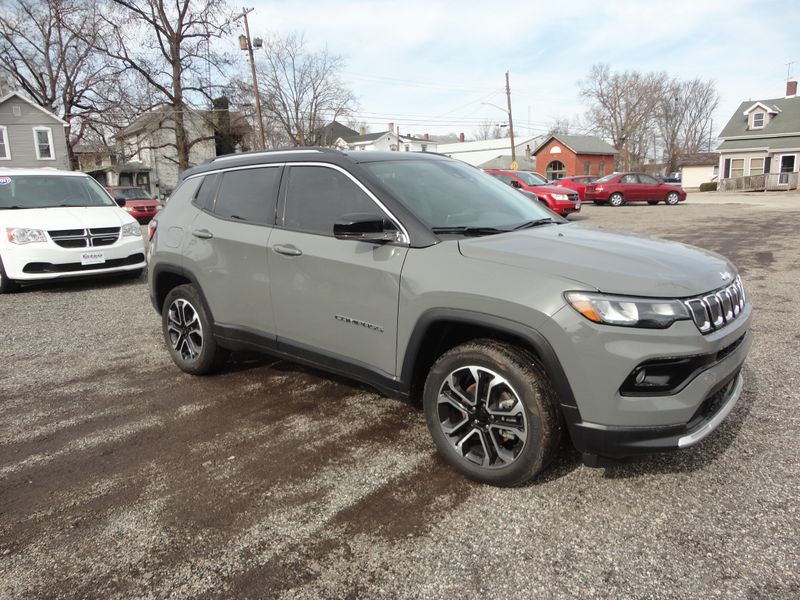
431,65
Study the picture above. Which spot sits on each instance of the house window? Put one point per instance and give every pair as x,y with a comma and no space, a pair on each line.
601,168
758,120
43,141
737,167
556,170
5,151
424,147
756,166
587,167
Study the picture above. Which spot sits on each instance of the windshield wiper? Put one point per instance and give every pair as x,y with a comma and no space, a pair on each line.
536,223
469,230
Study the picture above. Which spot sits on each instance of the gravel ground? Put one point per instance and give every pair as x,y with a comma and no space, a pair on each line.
121,477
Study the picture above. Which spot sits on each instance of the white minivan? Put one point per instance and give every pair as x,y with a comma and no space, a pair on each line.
57,224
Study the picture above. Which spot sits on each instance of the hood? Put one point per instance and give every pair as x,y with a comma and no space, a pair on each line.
617,263
549,189
66,217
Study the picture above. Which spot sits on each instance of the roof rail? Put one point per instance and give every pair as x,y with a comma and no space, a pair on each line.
256,153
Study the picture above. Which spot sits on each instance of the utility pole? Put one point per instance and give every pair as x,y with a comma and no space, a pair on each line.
247,45
510,123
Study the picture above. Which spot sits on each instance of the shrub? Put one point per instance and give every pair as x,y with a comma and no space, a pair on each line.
711,186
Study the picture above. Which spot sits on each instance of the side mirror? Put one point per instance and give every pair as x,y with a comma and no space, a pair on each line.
515,184
120,201
365,227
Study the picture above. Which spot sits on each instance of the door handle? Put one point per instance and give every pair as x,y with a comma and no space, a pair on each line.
287,250
203,234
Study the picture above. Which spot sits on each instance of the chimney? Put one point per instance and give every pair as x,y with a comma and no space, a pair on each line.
391,127
791,89
427,137
460,137
362,130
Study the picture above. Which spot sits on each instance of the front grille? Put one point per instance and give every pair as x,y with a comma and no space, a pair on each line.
83,238
713,311
572,197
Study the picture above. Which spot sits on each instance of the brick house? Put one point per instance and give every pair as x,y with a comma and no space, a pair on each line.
568,155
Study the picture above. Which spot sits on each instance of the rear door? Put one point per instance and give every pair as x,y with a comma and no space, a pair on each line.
227,252
334,297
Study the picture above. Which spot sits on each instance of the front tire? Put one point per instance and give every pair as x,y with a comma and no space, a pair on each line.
616,199
188,334
7,286
672,198
491,411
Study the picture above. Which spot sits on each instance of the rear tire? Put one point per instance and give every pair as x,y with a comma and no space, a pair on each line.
616,199
492,412
7,286
188,332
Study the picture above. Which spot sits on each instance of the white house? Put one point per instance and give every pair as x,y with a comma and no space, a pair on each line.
492,153
387,141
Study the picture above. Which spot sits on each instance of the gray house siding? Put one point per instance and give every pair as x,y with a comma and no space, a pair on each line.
20,118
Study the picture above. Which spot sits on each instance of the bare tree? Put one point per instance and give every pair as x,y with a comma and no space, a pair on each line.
165,44
622,108
47,50
302,90
488,130
559,125
701,100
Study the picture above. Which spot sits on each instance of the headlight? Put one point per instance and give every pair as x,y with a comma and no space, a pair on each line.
131,229
560,196
21,235
651,313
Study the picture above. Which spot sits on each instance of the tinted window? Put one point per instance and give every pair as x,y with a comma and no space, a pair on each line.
317,196
648,180
207,193
247,194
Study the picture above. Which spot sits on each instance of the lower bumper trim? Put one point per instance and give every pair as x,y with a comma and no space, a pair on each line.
692,438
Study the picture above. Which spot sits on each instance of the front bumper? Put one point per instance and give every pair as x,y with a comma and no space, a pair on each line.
44,261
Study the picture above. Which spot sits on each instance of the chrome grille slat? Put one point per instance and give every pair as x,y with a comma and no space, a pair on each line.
82,238
711,312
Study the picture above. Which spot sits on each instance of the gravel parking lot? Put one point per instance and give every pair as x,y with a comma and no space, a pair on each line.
121,477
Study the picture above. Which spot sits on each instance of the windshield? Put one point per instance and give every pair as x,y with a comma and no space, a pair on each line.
131,194
48,191
530,178
448,194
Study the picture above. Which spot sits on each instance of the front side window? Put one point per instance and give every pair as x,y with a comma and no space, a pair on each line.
43,140
247,194
646,179
737,167
450,194
51,191
556,170
317,196
5,152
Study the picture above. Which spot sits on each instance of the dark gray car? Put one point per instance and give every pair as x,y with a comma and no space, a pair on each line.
427,278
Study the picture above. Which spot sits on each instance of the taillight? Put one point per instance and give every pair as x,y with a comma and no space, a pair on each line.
151,230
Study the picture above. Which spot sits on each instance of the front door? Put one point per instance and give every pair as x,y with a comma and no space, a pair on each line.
337,297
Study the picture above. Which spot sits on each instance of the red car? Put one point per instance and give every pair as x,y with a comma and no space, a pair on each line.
560,200
618,188
577,183
141,205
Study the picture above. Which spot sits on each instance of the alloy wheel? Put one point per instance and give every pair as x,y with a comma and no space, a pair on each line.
672,198
482,417
184,329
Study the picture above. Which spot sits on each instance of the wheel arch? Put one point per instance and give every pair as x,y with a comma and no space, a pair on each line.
168,277
439,329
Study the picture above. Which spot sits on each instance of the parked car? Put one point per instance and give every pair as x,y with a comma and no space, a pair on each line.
673,178
426,278
557,199
618,188
141,205
577,183
62,224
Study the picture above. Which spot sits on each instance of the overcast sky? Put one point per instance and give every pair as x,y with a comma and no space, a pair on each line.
429,64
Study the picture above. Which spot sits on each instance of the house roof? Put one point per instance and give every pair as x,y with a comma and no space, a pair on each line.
33,104
700,159
761,143
367,137
787,119
155,119
335,130
504,162
500,144
581,144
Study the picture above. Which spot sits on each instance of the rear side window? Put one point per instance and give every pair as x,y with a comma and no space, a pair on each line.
208,189
317,196
248,194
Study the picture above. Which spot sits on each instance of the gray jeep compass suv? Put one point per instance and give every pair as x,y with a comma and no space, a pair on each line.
426,277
